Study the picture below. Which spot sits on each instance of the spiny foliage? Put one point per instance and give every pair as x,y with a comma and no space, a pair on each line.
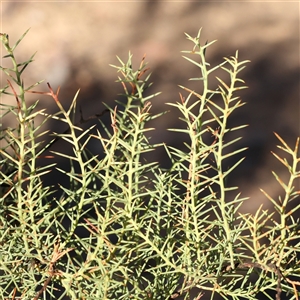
123,227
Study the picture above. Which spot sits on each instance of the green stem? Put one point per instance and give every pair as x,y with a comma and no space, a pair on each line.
220,158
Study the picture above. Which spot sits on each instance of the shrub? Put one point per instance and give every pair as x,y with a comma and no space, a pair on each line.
123,227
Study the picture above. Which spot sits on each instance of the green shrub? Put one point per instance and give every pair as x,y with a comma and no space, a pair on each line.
123,227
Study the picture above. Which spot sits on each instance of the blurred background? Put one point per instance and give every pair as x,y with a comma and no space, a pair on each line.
76,42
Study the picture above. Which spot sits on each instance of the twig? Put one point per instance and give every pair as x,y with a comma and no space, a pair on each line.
16,96
81,121
57,254
269,267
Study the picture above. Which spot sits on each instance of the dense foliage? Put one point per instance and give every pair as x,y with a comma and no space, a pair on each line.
124,227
